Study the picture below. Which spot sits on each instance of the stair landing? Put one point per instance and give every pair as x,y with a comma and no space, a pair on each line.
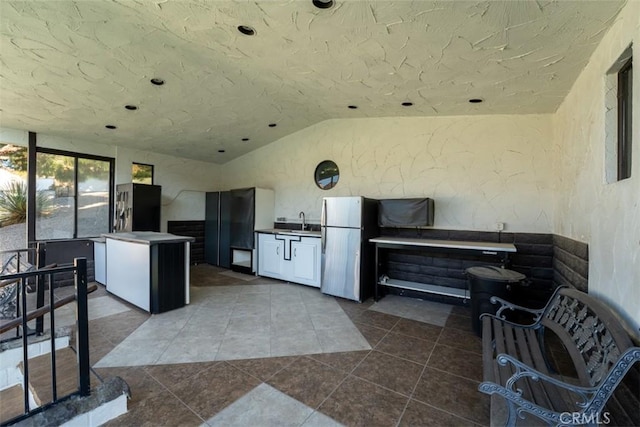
11,403
12,398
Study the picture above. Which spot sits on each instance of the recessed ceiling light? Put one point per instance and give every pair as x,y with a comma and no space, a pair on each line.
407,104
111,127
323,4
131,107
246,30
220,151
272,125
353,107
157,81
245,139
476,100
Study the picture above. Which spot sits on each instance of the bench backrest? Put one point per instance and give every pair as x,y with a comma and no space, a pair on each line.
16,263
594,337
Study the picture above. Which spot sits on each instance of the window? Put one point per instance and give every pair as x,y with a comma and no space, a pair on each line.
618,100
624,120
142,174
78,193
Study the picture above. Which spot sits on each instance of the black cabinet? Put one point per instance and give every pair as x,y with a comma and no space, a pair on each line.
217,229
167,279
137,207
231,217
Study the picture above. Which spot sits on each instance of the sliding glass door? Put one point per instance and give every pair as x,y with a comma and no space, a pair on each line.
78,191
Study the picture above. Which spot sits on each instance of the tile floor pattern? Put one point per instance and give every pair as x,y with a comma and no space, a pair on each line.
241,322
414,374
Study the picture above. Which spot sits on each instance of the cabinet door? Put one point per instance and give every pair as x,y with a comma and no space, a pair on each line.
270,257
306,266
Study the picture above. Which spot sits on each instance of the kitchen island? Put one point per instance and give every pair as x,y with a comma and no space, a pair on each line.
148,269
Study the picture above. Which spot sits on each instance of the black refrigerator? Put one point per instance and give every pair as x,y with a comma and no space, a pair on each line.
137,207
217,228
231,218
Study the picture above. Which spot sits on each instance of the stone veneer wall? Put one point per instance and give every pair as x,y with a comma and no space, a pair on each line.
570,262
547,260
193,229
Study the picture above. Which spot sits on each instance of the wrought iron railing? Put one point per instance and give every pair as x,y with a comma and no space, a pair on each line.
79,269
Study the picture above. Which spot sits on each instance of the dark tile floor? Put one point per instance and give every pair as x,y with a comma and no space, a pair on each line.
416,374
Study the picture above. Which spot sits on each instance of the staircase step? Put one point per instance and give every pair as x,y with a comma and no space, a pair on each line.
66,373
11,403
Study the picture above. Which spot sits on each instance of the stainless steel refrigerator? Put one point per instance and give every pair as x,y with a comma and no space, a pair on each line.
348,259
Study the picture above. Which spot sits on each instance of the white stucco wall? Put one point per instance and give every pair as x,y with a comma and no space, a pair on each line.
479,169
184,182
606,216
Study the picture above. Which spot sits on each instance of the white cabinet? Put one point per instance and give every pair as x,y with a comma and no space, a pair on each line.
289,257
270,258
306,261
100,260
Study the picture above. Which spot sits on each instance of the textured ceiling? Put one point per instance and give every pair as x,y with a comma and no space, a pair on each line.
69,68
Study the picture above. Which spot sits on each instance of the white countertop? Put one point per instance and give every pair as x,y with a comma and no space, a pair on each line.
446,244
305,233
148,237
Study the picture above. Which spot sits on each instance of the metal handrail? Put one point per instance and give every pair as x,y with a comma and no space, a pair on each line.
43,310
82,329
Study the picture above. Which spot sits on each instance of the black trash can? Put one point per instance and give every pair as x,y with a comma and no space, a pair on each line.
488,281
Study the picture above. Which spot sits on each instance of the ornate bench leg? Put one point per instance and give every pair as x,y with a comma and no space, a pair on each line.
511,414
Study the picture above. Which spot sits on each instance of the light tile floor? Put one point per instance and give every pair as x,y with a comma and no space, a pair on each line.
241,322
434,313
265,406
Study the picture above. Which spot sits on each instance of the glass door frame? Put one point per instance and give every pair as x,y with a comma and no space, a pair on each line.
32,177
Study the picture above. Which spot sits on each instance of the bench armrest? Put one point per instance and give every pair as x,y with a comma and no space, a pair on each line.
592,401
506,305
518,405
538,313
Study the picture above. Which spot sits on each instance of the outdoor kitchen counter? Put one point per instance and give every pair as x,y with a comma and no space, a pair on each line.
148,269
490,249
306,233
149,237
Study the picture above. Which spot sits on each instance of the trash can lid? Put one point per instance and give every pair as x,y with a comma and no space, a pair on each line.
496,273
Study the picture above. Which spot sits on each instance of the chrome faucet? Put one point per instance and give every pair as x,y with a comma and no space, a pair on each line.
301,215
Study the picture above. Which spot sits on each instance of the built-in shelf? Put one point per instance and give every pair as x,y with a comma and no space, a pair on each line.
492,249
424,287
246,263
242,260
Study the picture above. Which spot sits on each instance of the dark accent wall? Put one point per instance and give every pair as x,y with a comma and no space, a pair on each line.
192,229
534,257
570,262
63,252
547,260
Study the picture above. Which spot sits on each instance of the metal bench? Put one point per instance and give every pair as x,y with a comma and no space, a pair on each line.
517,374
15,262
